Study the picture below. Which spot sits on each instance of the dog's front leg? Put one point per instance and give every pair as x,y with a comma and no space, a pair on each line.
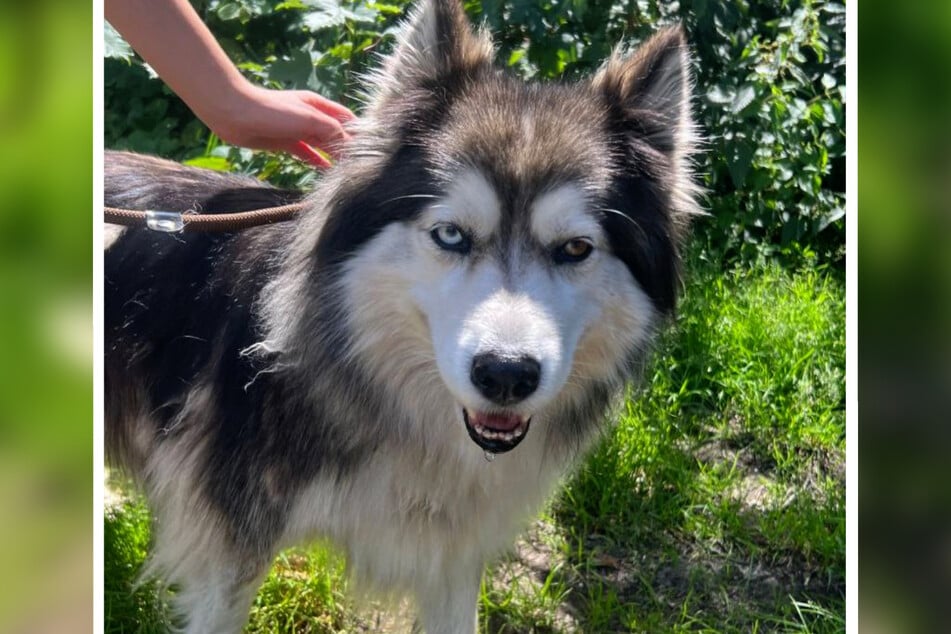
447,605
218,602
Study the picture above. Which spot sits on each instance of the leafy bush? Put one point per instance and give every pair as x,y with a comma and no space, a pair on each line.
770,93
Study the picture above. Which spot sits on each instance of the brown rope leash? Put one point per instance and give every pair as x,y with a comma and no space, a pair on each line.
174,221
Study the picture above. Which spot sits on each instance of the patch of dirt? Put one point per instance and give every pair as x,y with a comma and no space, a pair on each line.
757,492
385,617
757,488
527,568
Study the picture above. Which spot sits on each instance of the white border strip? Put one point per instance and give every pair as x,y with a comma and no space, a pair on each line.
851,319
97,308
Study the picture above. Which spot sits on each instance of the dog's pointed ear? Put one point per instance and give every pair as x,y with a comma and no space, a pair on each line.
436,40
652,87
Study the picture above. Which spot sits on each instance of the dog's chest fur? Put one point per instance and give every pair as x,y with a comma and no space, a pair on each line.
411,511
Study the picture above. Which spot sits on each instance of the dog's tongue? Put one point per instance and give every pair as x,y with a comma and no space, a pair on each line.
498,422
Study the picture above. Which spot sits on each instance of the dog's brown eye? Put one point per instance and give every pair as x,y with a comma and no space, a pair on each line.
574,250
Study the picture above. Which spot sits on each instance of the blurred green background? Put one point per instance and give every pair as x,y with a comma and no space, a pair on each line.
46,317
904,259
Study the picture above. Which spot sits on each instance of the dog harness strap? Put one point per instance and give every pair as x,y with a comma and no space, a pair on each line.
173,221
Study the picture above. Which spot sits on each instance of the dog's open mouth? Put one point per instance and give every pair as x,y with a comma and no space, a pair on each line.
495,432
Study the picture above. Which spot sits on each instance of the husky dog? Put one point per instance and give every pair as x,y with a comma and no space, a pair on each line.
409,367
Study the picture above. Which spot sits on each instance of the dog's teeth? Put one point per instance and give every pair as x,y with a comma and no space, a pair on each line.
507,436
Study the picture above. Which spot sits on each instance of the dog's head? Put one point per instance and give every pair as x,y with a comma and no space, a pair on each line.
503,245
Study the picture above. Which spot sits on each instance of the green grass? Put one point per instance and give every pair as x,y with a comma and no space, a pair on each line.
303,593
715,505
130,605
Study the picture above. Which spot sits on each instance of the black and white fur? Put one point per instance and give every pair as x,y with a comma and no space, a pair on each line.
481,274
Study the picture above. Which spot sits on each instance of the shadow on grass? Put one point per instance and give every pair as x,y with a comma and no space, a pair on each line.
662,561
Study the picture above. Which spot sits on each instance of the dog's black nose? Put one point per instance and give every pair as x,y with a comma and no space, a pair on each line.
505,380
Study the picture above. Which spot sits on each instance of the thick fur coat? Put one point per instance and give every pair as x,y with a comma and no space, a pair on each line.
479,277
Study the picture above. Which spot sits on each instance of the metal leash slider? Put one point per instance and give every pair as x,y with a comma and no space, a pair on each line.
165,221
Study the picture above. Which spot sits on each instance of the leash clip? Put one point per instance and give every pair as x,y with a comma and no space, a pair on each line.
164,221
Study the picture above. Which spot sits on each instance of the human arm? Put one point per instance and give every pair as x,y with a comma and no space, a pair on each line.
171,37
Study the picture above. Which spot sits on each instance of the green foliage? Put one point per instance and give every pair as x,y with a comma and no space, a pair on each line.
774,85
770,93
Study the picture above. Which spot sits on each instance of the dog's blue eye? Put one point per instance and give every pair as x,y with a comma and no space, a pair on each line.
450,237
575,250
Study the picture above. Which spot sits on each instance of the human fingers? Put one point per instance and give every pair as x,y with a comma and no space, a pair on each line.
337,111
326,133
304,152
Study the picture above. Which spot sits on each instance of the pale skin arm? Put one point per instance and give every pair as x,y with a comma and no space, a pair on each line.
171,37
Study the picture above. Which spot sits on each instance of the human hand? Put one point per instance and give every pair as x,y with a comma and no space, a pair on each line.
171,37
295,121
178,45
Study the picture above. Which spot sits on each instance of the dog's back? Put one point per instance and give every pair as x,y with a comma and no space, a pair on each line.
166,296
